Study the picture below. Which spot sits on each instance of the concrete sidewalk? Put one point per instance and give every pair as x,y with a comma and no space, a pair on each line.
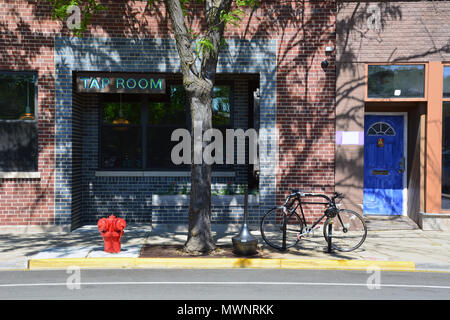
391,248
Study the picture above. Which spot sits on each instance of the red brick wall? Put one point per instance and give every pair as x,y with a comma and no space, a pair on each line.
305,103
26,44
305,92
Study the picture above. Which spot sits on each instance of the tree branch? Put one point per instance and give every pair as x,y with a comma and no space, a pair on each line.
215,30
183,38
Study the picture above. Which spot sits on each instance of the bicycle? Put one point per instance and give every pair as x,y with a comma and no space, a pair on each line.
282,227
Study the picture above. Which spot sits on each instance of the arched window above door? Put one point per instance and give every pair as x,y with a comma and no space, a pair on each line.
381,129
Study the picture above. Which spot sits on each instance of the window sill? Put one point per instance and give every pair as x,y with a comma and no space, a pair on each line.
158,174
216,200
20,175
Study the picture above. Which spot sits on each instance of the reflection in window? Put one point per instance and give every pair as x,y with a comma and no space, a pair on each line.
221,106
18,127
381,129
447,82
121,136
17,95
164,118
136,132
446,156
171,113
396,81
122,113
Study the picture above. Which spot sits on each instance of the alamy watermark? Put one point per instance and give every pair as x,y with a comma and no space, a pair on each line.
74,280
374,280
210,146
374,17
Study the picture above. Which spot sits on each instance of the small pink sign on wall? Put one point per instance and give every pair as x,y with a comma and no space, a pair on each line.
350,138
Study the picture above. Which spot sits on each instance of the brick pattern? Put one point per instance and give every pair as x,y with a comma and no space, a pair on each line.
282,41
305,102
407,31
130,197
27,46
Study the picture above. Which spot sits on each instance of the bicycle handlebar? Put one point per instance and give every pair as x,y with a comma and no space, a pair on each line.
298,193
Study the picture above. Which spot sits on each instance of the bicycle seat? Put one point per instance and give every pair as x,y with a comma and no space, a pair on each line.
297,191
338,195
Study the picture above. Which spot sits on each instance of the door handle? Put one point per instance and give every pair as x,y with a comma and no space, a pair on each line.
402,165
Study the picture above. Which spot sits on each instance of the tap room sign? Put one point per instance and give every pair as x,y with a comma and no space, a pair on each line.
120,83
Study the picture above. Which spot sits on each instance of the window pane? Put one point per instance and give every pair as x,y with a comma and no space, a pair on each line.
159,147
446,82
176,113
122,113
121,147
446,156
17,91
171,113
18,146
158,113
221,106
396,81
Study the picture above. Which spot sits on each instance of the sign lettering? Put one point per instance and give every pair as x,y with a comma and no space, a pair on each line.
121,83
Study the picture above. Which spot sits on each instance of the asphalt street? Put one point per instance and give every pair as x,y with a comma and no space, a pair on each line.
226,284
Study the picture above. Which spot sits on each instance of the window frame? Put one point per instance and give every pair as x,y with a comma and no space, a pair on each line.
395,99
34,122
145,99
148,125
444,100
103,100
35,111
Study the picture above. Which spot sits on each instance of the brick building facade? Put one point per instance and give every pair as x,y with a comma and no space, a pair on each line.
279,47
273,65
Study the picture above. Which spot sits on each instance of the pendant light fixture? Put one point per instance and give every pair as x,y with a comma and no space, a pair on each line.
121,119
27,115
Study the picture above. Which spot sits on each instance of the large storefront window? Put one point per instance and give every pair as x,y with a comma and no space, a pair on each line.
136,129
163,119
446,156
396,81
122,133
18,125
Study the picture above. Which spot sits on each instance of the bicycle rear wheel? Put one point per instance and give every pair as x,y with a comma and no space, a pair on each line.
272,225
349,230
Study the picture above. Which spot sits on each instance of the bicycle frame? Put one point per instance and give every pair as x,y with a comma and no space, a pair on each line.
299,203
332,213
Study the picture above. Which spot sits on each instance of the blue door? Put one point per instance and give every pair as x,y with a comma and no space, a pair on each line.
384,164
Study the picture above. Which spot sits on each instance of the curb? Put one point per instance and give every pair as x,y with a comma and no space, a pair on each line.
218,263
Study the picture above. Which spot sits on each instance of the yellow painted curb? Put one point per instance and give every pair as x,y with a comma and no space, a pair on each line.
347,264
219,263
62,263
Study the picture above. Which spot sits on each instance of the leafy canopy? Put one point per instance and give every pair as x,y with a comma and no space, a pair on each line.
88,8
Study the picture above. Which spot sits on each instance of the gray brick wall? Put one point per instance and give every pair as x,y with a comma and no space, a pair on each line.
130,197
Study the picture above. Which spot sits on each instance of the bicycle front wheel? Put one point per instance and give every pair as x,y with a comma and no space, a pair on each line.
349,230
273,224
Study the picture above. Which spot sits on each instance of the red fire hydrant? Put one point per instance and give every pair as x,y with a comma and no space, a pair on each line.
111,229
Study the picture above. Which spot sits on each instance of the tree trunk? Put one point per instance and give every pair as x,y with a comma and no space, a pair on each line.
199,86
199,237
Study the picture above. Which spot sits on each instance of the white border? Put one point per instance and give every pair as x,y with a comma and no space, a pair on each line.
405,152
20,175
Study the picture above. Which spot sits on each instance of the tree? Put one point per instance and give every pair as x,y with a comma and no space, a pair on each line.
198,83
